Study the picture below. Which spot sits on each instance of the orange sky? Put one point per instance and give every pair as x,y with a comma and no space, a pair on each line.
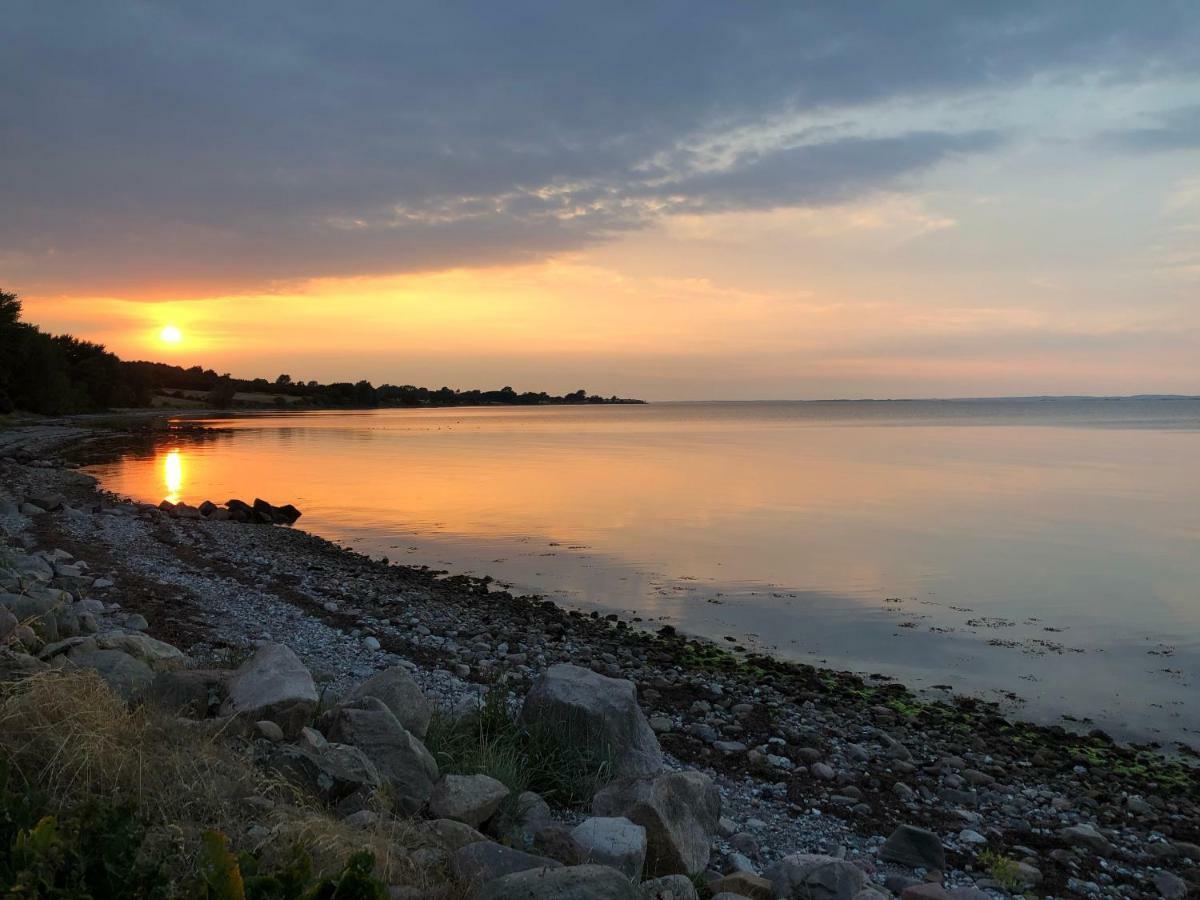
441,197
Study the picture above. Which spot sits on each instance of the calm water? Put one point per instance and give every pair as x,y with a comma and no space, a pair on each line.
1044,549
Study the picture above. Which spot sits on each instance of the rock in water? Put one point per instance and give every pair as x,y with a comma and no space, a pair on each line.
601,713
915,847
811,876
401,759
472,799
612,841
272,684
568,883
399,693
680,812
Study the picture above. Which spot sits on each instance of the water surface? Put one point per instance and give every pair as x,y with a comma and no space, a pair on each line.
1044,551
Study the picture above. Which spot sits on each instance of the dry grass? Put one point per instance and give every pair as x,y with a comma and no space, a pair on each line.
66,733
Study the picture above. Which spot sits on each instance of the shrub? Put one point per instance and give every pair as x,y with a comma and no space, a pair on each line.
561,766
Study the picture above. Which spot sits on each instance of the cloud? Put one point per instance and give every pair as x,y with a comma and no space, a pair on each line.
150,147
1175,129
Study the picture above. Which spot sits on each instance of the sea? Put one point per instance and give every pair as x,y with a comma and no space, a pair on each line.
1043,553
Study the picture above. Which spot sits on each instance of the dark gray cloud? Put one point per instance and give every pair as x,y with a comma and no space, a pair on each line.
1176,129
238,143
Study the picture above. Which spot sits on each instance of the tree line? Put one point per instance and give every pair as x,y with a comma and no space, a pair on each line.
60,374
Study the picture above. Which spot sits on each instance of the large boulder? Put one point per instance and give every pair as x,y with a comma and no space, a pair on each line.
272,684
472,799
36,612
194,693
128,677
406,765
452,835
16,666
331,771
8,624
600,713
567,883
680,812
399,693
612,841
158,655
481,862
670,887
744,884
914,847
811,876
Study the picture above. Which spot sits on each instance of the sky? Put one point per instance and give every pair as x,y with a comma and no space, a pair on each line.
682,199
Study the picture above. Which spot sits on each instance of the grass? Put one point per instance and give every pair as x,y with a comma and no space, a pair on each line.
562,764
97,799
1002,869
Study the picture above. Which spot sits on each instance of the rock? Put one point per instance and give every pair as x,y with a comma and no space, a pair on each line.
399,693
567,883
728,895
810,876
925,891
158,655
1027,875
195,693
330,770
272,684
1170,887
600,712
517,826
612,841
680,811
128,677
754,887
35,612
914,847
484,861
823,771
268,731
1086,835
15,666
555,841
472,799
8,624
401,759
670,887
452,835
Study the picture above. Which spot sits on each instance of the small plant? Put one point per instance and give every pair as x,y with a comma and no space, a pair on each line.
1003,870
560,763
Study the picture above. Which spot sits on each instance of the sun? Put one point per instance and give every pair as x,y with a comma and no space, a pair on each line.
170,335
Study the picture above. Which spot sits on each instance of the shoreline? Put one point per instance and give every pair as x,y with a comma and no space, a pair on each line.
845,758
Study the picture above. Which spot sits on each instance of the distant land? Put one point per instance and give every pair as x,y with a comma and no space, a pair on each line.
60,374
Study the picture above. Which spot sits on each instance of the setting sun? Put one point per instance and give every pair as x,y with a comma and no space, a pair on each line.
170,335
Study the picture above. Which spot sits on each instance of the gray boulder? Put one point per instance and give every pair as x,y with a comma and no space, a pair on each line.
406,766
670,887
484,861
1086,835
128,677
399,693
472,799
195,693
36,612
680,812
914,847
158,655
452,835
612,841
15,666
8,624
331,771
600,713
567,883
272,684
811,876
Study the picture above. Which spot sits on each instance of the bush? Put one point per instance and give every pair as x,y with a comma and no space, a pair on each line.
561,766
